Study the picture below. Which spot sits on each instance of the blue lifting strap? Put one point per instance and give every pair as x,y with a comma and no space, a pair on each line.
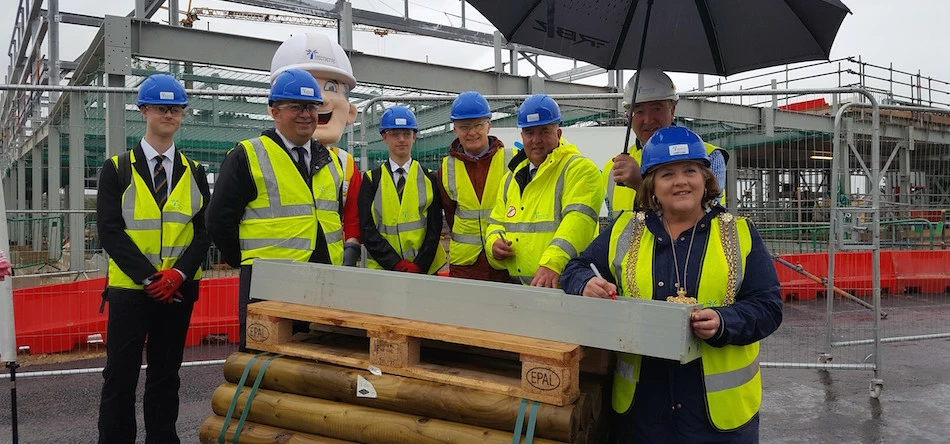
250,397
532,421
234,400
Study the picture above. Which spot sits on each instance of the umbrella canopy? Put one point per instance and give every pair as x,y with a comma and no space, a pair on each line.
721,37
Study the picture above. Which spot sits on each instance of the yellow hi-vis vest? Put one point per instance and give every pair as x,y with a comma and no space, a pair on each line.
348,167
552,220
622,198
471,216
731,373
162,235
281,223
403,223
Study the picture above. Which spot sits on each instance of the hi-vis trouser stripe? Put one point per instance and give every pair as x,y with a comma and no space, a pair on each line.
394,230
129,203
274,208
478,214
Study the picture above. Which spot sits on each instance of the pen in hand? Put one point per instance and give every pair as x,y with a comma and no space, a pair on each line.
613,294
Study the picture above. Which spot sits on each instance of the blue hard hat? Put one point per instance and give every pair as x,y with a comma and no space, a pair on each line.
672,144
538,110
398,117
295,84
470,105
161,89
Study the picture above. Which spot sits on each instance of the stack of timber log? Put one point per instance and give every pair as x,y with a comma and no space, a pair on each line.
426,391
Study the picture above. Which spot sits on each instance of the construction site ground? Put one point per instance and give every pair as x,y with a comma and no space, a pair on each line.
799,405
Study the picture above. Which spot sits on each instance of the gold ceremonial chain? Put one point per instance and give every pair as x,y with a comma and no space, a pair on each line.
681,285
638,222
730,246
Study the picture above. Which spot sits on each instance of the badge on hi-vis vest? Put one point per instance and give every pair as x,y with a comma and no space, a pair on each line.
512,211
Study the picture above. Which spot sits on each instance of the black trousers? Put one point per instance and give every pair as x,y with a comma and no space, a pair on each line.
133,318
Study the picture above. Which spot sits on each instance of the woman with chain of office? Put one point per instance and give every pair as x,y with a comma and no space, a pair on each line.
680,246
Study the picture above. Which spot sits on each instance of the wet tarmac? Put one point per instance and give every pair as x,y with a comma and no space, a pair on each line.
799,405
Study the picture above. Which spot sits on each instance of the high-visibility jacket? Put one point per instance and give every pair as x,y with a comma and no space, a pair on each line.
622,198
471,217
403,222
348,165
731,373
554,218
281,223
161,234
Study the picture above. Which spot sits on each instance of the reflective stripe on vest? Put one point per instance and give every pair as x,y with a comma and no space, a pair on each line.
620,198
348,167
471,215
731,373
403,222
281,222
161,235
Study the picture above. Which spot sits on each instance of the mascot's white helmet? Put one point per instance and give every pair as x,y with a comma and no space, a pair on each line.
315,53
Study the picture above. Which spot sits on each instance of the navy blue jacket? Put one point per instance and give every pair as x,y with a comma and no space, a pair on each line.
669,405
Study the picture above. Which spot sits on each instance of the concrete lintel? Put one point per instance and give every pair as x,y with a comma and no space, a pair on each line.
651,328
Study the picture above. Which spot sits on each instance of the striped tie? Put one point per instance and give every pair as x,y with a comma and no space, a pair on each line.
161,181
402,181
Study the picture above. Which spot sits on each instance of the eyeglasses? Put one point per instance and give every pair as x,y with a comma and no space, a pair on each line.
176,110
475,126
400,133
298,108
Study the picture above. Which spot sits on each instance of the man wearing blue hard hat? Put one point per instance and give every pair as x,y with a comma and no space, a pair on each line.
278,196
547,207
150,218
400,209
468,182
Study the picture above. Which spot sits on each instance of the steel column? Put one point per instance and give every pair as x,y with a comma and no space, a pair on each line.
77,182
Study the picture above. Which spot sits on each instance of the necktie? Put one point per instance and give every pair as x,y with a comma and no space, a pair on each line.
401,183
531,172
160,180
302,165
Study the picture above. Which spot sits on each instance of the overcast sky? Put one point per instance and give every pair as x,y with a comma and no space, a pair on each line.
910,34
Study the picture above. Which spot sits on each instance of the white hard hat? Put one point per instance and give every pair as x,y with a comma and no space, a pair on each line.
654,85
314,53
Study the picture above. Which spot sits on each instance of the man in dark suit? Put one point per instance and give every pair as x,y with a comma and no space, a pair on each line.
150,210
279,195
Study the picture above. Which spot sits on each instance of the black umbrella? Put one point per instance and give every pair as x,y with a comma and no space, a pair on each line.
721,37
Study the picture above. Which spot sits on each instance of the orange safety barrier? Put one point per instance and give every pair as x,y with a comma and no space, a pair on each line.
922,271
902,271
57,318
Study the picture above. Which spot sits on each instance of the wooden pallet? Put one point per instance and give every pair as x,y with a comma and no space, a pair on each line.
549,370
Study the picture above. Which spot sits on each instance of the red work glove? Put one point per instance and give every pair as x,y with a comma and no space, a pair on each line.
163,286
407,267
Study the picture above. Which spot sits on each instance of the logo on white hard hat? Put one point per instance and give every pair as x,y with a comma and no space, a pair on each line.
679,149
314,54
166,95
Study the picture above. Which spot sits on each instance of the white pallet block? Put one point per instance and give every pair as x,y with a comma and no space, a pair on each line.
651,328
